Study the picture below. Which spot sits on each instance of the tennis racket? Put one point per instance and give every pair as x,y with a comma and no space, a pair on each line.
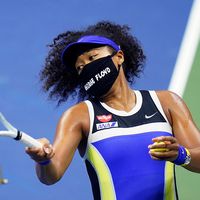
12,132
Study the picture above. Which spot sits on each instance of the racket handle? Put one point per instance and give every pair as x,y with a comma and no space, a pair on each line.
24,138
29,141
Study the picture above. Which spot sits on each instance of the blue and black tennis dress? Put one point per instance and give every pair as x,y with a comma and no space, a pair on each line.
117,158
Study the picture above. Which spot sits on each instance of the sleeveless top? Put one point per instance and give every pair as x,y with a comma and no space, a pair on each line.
117,159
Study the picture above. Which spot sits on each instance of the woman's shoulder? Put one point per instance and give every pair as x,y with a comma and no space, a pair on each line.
169,101
76,115
77,110
167,95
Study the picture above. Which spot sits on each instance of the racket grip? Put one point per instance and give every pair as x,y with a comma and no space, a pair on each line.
29,141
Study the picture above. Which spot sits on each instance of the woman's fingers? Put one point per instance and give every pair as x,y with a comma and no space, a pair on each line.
170,139
164,148
41,154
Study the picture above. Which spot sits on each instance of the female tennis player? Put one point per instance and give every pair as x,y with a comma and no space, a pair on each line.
130,140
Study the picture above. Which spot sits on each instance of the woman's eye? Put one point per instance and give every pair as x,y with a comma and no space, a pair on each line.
79,69
92,57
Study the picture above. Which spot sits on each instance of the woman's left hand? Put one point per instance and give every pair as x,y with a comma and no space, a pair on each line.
164,148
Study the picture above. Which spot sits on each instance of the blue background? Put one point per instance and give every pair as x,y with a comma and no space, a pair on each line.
26,28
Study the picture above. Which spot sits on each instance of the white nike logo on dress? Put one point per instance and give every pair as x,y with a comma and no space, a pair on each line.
150,116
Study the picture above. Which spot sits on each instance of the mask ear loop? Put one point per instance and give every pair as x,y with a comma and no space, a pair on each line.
119,66
113,53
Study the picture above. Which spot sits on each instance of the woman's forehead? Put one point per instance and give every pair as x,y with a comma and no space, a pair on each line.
103,49
99,49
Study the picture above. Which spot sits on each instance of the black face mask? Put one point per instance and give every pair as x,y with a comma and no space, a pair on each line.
98,76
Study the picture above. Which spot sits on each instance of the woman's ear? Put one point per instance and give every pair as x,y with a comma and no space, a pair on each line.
120,57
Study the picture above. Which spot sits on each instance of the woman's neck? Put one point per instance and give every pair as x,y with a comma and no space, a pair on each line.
121,96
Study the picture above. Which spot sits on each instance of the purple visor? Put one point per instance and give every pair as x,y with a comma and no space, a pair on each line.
85,43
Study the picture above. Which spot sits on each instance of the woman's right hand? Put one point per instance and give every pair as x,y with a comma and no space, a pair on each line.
41,154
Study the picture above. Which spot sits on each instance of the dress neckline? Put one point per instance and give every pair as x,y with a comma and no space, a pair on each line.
134,110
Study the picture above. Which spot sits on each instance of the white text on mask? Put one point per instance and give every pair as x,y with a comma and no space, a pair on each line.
98,76
102,73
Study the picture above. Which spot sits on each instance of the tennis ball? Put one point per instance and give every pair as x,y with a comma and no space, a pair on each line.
159,149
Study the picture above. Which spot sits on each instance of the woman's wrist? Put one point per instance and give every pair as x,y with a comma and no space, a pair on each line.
43,163
183,158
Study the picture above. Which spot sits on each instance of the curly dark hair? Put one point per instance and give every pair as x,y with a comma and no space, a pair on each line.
62,83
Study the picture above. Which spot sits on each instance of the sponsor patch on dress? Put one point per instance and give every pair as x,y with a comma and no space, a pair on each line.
104,118
106,125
